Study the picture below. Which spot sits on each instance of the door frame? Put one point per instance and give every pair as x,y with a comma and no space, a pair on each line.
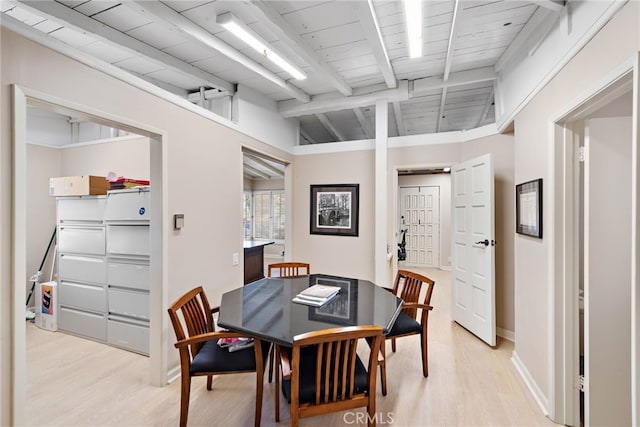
563,399
158,269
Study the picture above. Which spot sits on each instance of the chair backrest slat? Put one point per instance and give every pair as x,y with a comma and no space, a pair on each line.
408,286
335,359
196,315
289,269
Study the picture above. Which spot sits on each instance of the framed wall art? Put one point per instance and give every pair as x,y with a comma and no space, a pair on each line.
529,208
334,209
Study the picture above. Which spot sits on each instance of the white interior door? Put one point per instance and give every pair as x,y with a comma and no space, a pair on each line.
607,271
472,248
420,216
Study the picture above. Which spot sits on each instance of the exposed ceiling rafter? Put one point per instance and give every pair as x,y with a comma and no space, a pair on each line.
363,122
306,136
460,78
397,113
266,14
335,133
255,172
452,38
261,162
367,15
449,59
532,33
555,6
443,101
487,107
80,22
162,13
362,97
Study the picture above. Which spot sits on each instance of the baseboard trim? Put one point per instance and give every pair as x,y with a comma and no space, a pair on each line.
539,397
506,334
173,374
445,267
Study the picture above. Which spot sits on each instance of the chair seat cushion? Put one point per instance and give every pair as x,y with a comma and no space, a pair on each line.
212,358
404,324
307,377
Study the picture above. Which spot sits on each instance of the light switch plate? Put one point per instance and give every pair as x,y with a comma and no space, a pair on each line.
178,221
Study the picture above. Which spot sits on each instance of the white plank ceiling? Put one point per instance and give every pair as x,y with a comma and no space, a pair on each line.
336,43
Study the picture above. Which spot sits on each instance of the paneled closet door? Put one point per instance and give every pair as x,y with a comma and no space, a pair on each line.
420,215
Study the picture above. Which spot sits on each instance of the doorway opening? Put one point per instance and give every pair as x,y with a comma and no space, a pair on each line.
24,99
423,217
591,350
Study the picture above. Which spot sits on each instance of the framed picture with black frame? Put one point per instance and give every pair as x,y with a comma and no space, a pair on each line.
529,208
334,209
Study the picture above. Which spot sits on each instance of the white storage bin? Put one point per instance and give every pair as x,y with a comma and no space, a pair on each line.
129,303
128,334
91,325
81,240
72,209
83,296
83,268
125,274
125,240
128,205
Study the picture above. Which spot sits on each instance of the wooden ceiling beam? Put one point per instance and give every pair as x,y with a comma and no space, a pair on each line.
367,15
171,19
335,133
80,22
265,13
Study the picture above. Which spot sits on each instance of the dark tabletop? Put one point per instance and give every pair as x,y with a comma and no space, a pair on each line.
264,308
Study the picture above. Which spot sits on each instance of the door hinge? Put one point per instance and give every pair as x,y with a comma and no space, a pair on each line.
581,383
582,154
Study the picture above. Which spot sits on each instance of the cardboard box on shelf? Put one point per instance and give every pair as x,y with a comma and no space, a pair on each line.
83,185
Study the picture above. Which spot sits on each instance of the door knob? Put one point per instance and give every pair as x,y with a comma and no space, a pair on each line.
483,242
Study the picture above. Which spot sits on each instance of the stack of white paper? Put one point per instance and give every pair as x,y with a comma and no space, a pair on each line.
317,295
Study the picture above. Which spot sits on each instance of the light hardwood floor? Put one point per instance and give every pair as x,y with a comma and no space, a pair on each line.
77,382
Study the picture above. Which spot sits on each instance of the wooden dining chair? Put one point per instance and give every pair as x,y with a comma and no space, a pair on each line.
285,269
288,269
408,286
200,354
322,373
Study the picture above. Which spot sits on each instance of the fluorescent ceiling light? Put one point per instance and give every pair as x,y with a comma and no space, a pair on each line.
244,33
447,169
413,17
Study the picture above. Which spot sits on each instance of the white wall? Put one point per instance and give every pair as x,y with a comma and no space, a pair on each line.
259,117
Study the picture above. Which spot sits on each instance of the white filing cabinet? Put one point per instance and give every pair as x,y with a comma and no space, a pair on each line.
103,267
82,266
126,217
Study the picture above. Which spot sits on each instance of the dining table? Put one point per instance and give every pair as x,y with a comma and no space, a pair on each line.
265,308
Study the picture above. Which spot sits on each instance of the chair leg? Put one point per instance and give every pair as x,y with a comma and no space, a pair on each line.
209,381
393,345
184,399
383,368
259,389
271,362
425,355
277,396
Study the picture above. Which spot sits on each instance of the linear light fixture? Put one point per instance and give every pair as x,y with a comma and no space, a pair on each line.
246,34
413,19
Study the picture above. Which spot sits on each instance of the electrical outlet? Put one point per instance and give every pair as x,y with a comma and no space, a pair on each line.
235,259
